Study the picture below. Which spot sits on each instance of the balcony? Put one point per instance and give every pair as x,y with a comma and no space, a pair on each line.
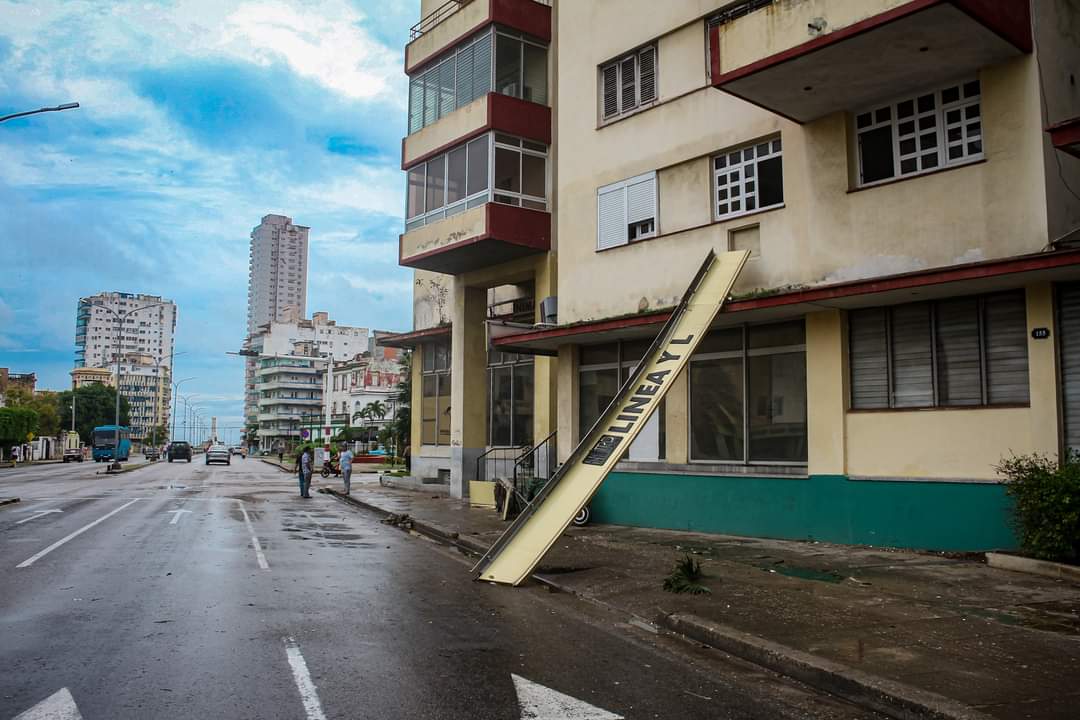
456,19
487,235
807,60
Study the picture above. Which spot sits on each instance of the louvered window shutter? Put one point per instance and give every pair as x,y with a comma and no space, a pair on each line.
1006,348
611,90
482,67
959,367
446,87
465,65
1069,339
647,74
628,82
913,381
611,216
641,198
867,335
416,104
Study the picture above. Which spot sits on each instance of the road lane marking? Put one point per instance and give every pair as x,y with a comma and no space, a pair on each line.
308,694
537,702
40,514
254,540
176,515
58,706
30,561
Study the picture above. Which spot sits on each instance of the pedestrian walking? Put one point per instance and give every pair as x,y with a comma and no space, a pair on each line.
305,473
281,456
345,463
15,453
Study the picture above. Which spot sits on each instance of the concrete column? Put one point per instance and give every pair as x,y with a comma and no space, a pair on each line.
468,386
567,400
545,379
826,373
1044,386
416,427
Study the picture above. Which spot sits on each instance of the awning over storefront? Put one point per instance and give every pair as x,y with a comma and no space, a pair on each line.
416,337
930,284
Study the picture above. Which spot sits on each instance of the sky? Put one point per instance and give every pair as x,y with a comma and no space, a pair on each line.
197,118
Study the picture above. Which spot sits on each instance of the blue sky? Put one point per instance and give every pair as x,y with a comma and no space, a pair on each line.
198,117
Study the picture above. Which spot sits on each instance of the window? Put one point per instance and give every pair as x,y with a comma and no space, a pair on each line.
626,211
968,351
748,395
920,134
510,399
628,84
602,371
748,178
435,394
518,67
450,183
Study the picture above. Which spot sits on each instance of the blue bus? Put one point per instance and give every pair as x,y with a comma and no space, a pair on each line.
105,443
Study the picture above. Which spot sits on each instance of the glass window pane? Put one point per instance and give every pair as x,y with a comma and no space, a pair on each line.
777,335
523,404
444,408
770,182
429,409
596,391
959,375
508,66
507,169
777,407
721,341
716,409
535,75
597,354
634,350
500,405
478,165
533,175
416,191
436,183
876,154
455,176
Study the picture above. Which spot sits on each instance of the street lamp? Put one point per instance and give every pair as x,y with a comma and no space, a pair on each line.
157,391
65,106
176,385
120,317
187,411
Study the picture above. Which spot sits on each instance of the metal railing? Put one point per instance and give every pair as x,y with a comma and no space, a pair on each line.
435,17
498,462
534,468
516,310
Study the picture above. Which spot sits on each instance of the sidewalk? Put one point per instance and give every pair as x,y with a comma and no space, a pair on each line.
1005,644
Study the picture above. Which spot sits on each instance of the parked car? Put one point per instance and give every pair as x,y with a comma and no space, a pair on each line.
218,453
151,453
179,450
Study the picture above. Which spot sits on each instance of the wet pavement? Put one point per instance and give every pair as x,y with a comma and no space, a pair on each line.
180,591
1005,643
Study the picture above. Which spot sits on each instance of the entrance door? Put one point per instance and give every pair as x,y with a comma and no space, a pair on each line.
1069,343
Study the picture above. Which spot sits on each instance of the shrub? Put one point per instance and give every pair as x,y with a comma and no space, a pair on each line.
1046,504
686,577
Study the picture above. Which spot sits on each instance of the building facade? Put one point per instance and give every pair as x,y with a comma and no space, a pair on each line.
81,377
908,315
144,344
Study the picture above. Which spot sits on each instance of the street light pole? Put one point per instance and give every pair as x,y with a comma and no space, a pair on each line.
176,386
65,106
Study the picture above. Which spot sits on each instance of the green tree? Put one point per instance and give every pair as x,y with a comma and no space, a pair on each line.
401,425
95,405
43,403
15,425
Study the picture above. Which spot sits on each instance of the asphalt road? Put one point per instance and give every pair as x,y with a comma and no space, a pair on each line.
187,591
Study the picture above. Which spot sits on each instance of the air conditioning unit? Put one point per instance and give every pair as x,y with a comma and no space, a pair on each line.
549,310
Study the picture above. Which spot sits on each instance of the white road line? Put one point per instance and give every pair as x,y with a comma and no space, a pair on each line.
37,515
30,561
308,695
254,540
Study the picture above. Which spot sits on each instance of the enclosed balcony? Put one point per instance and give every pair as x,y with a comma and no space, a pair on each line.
807,60
479,204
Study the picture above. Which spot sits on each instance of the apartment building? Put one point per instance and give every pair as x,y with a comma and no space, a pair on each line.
906,318
139,329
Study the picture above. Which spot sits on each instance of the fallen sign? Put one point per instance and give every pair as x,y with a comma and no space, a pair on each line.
520,549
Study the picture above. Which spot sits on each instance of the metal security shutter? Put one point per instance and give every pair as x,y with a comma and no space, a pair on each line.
611,216
641,198
647,75
611,90
959,366
912,356
868,340
1005,336
1069,342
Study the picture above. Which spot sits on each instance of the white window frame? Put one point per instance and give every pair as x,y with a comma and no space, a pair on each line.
876,117
740,159
624,187
638,104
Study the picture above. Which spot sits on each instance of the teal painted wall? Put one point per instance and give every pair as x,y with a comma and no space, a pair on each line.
831,508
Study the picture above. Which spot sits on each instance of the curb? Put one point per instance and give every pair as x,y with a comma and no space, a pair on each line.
1045,568
8,501
123,470
889,697
274,464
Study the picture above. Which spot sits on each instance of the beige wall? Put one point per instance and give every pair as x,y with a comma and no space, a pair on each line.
463,121
439,37
1057,34
441,233
433,299
824,233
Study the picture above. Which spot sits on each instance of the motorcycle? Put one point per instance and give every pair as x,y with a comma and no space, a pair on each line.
329,467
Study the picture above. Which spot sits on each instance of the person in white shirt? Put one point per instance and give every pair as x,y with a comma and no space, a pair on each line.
346,469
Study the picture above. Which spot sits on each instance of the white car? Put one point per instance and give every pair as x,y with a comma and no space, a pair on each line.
218,453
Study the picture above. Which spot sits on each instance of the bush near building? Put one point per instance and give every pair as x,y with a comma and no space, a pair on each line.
1046,504
15,425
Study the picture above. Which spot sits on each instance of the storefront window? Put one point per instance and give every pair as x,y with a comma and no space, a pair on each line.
435,394
748,395
602,370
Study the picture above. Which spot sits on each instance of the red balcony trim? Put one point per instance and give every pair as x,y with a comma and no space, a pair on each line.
1065,136
505,223
905,281
531,18
510,115
1007,18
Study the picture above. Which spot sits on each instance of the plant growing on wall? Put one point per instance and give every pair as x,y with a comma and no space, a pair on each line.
1046,504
